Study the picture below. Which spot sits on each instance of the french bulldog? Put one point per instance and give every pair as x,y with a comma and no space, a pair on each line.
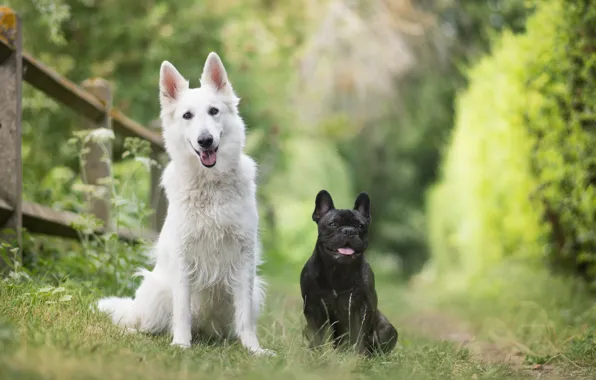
338,284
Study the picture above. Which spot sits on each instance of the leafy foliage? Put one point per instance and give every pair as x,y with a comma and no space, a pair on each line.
128,53
96,261
396,154
518,173
258,41
562,123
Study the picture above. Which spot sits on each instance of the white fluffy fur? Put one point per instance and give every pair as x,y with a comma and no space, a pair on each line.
205,276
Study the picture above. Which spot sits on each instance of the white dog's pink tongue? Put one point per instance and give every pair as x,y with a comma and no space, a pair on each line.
345,251
208,157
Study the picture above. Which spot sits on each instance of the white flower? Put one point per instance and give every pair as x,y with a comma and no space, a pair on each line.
101,135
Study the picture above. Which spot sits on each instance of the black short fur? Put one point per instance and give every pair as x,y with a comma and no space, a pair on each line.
338,290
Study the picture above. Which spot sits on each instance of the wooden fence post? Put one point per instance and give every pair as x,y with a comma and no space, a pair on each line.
11,75
97,156
158,199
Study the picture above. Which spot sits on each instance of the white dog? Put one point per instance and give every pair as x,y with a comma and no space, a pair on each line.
205,277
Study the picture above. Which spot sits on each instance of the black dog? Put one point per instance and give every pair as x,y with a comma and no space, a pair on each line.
338,285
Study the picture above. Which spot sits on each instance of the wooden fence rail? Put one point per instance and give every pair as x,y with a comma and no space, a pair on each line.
93,102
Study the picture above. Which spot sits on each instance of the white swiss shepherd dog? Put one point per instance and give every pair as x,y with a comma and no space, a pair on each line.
205,276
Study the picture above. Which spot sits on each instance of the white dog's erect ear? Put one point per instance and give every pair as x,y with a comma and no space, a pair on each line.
170,83
214,75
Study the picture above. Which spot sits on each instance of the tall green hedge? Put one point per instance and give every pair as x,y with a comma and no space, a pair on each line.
564,129
519,174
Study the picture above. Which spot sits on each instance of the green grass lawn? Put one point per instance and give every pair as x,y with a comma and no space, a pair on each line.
44,337
51,333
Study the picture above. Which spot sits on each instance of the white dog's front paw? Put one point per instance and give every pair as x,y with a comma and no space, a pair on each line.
183,345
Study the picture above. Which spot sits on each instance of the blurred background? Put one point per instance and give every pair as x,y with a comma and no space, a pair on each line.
469,122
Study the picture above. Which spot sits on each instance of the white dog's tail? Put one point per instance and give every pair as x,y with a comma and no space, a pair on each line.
120,309
151,309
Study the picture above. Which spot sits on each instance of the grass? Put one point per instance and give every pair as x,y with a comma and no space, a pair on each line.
512,323
51,333
542,320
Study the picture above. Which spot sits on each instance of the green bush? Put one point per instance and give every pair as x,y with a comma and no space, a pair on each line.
563,126
518,174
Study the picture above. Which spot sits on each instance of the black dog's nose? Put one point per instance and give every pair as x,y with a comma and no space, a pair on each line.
349,231
205,141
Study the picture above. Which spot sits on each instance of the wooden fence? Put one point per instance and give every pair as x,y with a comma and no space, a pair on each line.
93,101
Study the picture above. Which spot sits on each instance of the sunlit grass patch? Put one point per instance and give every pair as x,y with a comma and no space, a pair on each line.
52,332
543,318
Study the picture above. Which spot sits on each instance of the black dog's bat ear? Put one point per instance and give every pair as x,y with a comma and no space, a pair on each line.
323,204
362,205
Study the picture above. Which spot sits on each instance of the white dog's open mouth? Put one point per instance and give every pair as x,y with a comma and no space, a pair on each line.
208,157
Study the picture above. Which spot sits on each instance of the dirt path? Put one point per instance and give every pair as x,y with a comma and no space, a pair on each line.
441,326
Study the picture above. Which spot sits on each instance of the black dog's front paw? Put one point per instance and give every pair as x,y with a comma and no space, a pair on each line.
384,337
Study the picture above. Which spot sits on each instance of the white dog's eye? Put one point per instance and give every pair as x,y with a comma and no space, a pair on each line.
187,116
213,111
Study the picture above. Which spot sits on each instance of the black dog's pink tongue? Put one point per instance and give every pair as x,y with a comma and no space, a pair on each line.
208,157
346,251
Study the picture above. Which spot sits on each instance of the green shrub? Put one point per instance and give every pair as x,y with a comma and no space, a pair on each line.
522,152
563,126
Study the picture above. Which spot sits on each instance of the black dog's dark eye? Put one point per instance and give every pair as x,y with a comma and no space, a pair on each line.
361,226
332,224
187,116
213,111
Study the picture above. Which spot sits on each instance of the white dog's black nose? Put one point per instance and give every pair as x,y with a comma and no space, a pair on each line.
205,141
